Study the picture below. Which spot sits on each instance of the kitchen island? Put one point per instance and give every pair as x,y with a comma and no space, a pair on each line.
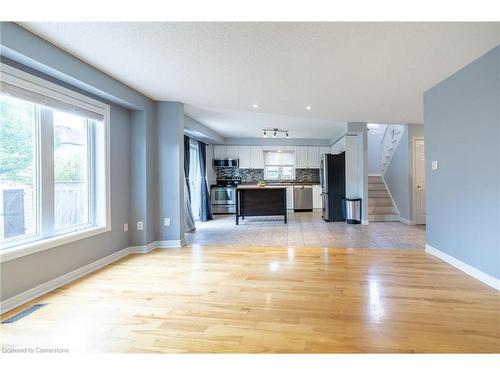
254,200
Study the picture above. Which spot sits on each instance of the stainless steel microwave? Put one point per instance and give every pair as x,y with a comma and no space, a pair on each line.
232,163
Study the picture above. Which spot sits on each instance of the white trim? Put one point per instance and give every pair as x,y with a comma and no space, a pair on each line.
406,221
144,249
170,243
464,267
390,195
413,154
365,222
28,295
33,83
48,243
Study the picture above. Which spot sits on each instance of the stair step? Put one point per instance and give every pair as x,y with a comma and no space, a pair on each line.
382,210
379,186
380,201
383,217
378,194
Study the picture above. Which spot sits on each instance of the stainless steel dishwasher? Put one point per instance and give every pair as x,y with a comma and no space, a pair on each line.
302,198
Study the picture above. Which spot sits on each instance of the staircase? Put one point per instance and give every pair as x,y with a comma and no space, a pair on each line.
380,204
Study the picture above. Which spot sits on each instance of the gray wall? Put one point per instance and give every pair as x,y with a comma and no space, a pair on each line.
134,161
21,274
462,133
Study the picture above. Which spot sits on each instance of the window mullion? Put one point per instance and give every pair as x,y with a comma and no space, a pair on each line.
47,171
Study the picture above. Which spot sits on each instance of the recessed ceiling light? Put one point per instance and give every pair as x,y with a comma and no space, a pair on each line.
308,107
255,106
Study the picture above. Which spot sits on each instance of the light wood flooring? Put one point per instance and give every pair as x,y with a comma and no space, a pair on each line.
222,299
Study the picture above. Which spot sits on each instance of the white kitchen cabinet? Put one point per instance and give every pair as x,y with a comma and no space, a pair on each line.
301,157
323,150
338,147
257,157
289,197
245,157
316,197
233,152
313,156
220,151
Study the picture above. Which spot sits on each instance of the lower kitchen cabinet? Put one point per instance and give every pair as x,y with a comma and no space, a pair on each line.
289,198
317,197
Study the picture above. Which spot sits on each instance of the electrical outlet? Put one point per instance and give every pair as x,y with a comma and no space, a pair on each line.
435,165
140,225
125,227
166,222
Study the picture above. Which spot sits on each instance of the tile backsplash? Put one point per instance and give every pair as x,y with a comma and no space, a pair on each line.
254,175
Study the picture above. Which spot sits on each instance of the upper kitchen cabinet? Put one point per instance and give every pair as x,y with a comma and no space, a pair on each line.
312,157
338,147
245,157
323,150
257,157
220,151
232,152
301,157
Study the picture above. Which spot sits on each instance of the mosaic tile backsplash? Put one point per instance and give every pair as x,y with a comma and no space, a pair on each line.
310,175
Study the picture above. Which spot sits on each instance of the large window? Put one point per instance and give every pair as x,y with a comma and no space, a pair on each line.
54,156
195,179
279,165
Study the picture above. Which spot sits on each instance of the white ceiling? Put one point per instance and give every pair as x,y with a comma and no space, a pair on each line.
374,72
237,124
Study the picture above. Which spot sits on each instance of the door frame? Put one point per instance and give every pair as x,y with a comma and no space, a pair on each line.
414,173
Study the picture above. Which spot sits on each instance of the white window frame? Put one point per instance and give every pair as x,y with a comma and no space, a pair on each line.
101,171
280,167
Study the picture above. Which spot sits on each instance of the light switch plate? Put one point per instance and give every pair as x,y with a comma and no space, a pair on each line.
125,227
166,222
435,165
140,225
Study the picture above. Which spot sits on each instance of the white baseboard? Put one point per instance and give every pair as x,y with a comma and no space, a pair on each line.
170,243
406,221
474,272
28,295
365,222
49,286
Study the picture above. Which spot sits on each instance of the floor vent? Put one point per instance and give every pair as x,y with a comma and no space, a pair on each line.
24,313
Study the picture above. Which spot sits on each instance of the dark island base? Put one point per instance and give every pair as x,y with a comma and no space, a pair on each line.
260,202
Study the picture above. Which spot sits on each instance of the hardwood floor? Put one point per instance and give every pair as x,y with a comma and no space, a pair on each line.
217,299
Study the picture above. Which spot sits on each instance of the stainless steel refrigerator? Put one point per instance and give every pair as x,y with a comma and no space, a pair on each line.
332,179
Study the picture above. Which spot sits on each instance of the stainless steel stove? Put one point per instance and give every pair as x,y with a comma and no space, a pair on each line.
223,196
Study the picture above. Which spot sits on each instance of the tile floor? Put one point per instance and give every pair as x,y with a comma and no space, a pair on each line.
306,229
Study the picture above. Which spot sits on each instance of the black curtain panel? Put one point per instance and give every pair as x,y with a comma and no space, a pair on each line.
206,208
188,215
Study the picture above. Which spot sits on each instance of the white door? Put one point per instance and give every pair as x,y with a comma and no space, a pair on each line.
420,181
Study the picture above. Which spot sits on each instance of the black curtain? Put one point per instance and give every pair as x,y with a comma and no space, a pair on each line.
205,206
188,215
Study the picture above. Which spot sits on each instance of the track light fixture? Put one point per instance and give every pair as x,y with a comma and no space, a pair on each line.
275,132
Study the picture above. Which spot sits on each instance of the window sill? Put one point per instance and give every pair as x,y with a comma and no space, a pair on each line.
49,243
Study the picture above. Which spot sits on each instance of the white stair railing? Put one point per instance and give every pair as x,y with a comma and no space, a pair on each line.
389,144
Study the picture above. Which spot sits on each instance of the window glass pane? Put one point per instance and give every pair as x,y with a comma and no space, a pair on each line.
71,171
271,173
17,169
